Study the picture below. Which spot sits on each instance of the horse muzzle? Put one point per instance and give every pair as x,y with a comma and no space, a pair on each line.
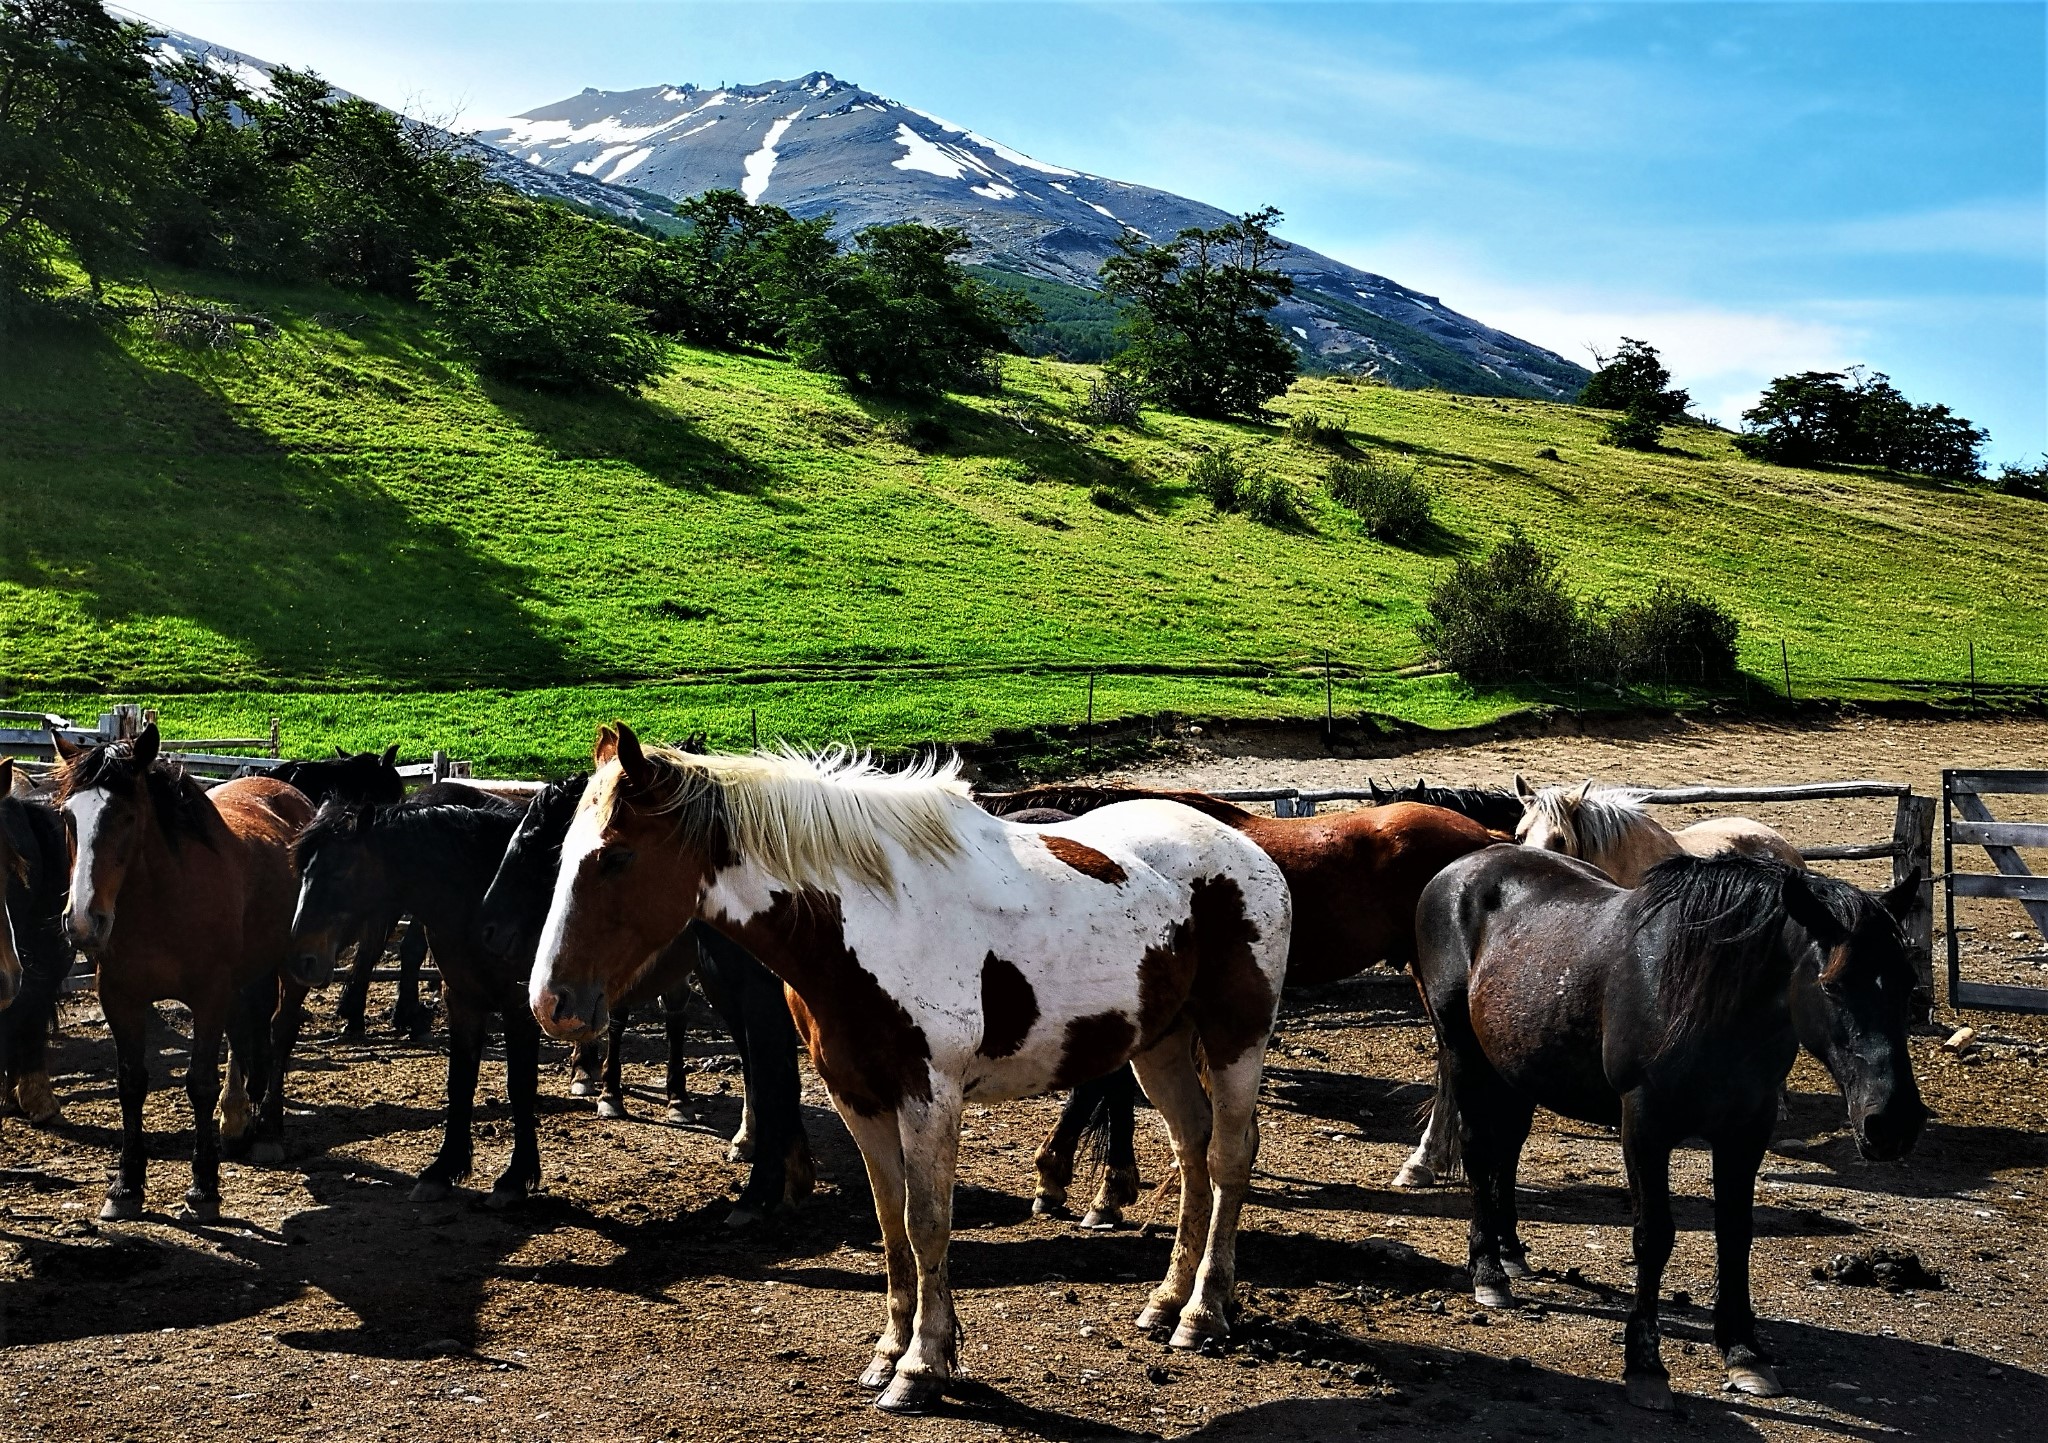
310,962
88,931
572,1014
1888,1134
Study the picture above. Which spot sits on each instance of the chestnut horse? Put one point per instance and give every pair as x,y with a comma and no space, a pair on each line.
185,894
1355,877
1669,1010
934,955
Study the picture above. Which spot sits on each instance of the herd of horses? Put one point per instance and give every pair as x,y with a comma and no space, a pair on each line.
931,949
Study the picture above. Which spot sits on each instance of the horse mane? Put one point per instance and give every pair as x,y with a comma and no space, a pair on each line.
1725,913
807,818
1077,800
1496,808
1604,820
337,820
178,800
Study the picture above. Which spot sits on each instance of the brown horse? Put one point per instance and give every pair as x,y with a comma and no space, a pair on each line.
1355,876
13,867
178,893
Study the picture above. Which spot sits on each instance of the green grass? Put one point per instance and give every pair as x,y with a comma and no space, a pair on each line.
343,526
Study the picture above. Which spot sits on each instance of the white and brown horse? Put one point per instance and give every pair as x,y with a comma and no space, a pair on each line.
933,955
1609,827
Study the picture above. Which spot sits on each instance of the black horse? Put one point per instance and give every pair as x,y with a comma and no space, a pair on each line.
747,997
37,871
432,860
369,780
1495,808
1668,1010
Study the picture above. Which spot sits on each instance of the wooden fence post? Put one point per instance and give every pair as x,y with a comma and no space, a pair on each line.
1913,834
275,748
440,765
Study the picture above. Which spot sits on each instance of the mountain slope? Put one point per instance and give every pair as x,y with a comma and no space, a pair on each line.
819,144
344,526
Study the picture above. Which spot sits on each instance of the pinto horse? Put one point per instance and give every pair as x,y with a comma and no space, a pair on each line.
1610,828
746,995
181,893
934,955
434,861
34,873
1355,877
1668,1010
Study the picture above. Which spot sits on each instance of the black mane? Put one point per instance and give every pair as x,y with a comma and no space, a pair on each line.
180,803
1495,808
1726,916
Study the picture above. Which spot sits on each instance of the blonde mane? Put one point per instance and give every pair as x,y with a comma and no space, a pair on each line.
807,819
1605,820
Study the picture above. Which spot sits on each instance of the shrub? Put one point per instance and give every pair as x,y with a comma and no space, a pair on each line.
1218,475
1391,500
542,321
1269,501
1674,634
1111,402
1306,428
2030,481
1639,428
919,433
1504,616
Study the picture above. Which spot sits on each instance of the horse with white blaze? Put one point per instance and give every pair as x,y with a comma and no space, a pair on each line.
936,955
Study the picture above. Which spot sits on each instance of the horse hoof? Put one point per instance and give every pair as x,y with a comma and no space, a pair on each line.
742,1218
121,1207
1156,1315
501,1199
1516,1266
1415,1174
911,1393
736,1150
879,1371
1492,1295
1103,1219
679,1117
1049,1205
1193,1332
1648,1391
582,1087
428,1190
354,1032
202,1207
37,1101
1758,1380
267,1154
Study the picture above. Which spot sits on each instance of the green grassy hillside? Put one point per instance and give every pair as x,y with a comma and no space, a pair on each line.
344,526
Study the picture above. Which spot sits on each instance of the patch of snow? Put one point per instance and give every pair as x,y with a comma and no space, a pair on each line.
1299,332
533,159
1102,210
761,164
1418,300
944,161
693,130
1361,295
630,164
521,131
994,147
599,161
994,190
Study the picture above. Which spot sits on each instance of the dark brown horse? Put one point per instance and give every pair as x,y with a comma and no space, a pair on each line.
1355,877
34,872
1670,1011
13,872
184,894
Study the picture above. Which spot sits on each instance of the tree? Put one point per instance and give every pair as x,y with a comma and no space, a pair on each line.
82,135
726,280
1858,418
1505,615
1199,339
536,303
899,314
1634,381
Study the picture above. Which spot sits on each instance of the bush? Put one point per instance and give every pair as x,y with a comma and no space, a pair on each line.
542,321
2029,481
919,433
1269,501
1218,475
1111,402
1391,500
1639,428
1505,616
1306,428
1673,635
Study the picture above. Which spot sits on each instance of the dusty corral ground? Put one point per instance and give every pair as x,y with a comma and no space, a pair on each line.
618,1306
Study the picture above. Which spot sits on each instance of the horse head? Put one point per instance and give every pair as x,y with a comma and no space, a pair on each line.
341,882
108,805
516,903
1550,817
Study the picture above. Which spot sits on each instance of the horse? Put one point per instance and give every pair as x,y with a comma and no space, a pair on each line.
1495,808
13,873
746,995
1355,877
177,892
368,779
1610,828
1668,1010
433,860
34,875
934,955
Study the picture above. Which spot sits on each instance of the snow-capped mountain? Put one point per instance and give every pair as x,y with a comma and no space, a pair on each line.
820,144
175,45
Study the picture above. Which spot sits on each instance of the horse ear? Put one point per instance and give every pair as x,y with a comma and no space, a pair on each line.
391,755
1810,912
634,761
1523,790
340,753
66,750
1577,798
1373,793
1899,899
607,746
6,776
147,742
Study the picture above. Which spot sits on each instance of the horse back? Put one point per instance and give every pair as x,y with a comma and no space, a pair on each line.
264,815
1719,835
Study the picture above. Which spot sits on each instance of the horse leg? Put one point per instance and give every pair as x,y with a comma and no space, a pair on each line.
248,1064
1517,1114
1118,1117
355,993
202,1087
284,1036
1055,1161
522,1086
931,1153
1486,1113
1233,1143
881,1150
409,1016
128,1022
1167,1073
1649,1183
782,1172
25,1043
1735,1168
1436,1158
586,1067
466,1026
611,1095
675,1024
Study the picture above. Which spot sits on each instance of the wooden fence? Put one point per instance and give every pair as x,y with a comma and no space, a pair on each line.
1967,821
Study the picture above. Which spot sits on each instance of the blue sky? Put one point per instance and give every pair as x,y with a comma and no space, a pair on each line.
1754,189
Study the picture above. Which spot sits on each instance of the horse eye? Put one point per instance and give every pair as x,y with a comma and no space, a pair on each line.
614,860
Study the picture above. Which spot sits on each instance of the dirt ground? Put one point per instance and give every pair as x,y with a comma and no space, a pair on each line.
618,1306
